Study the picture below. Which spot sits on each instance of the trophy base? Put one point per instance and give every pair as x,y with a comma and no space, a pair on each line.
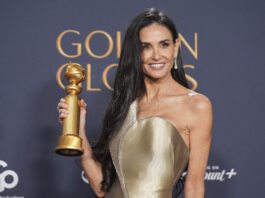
69,145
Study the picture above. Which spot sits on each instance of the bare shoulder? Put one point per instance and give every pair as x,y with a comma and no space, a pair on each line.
200,108
200,102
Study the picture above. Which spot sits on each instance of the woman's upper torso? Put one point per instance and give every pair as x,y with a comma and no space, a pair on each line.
149,156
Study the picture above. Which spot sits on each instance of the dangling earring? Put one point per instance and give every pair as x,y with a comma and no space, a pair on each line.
175,64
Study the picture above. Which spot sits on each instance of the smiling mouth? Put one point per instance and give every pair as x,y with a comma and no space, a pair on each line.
157,65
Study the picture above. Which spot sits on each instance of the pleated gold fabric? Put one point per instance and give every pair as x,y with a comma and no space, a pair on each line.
149,156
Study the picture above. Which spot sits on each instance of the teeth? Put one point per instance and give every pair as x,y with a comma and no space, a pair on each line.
156,65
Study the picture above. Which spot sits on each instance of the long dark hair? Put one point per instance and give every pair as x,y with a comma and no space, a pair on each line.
128,85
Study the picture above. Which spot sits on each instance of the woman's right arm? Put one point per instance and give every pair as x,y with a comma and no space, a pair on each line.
91,167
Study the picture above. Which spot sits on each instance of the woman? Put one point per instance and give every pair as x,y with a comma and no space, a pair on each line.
155,126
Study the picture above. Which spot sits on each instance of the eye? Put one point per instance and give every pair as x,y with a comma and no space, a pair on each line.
144,47
164,45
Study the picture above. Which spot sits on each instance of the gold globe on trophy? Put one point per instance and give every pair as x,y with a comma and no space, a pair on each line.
70,144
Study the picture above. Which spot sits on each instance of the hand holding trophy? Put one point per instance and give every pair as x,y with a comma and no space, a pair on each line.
70,144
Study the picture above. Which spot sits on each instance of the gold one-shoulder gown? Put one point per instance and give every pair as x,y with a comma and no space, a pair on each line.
149,156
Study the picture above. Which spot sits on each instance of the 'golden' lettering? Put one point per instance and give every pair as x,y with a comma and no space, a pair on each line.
87,44
194,52
118,44
59,44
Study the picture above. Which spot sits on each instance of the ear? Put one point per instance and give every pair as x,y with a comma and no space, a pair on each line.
176,47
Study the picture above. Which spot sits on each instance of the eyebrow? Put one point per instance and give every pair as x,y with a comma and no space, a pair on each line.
146,43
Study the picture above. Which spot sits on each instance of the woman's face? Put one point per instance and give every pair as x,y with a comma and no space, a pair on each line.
158,51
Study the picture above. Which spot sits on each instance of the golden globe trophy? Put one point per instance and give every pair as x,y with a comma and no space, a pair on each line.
70,144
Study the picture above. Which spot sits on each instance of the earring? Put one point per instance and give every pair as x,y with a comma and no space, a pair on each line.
175,64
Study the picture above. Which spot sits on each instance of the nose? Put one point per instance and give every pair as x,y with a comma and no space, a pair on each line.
156,54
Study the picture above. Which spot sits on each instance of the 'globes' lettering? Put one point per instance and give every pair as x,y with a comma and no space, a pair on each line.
88,77
105,77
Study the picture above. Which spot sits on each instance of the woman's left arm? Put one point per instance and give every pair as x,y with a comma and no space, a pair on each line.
200,141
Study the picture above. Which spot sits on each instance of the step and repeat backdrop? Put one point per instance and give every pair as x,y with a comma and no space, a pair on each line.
222,45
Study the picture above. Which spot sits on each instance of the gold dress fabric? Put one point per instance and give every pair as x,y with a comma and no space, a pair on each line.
149,156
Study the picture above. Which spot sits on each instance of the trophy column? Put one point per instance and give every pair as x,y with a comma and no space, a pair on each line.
70,144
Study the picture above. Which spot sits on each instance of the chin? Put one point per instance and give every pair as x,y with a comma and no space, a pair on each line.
156,76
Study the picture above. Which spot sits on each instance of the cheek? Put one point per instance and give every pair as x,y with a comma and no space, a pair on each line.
170,53
144,57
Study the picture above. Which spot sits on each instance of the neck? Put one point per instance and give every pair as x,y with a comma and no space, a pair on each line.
162,87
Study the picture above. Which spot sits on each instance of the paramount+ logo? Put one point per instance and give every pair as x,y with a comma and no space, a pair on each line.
5,176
